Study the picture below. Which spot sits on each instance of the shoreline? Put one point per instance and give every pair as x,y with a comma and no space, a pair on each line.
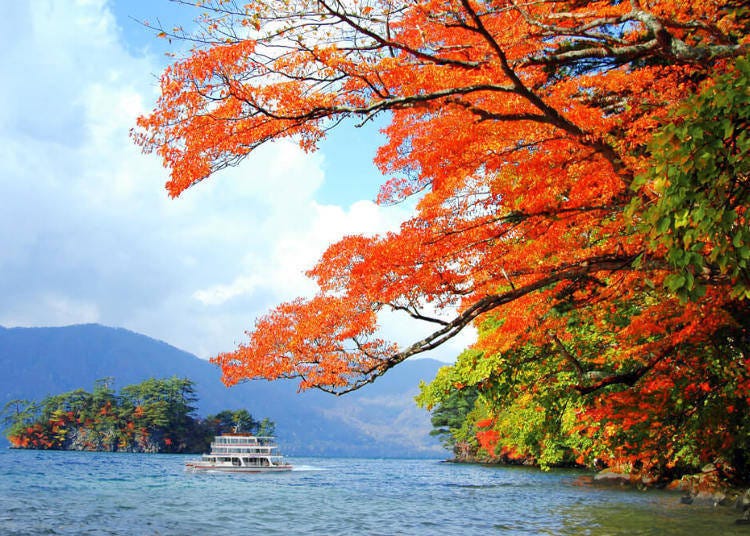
700,489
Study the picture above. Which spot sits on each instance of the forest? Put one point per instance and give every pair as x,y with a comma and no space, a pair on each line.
156,415
580,177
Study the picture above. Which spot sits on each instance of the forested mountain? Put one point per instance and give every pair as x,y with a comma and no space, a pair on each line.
381,420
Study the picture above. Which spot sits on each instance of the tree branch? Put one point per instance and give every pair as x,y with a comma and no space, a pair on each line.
627,378
569,272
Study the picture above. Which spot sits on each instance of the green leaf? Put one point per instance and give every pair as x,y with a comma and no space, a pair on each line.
737,240
674,281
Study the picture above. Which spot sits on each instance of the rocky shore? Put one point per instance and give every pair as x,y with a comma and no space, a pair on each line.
704,488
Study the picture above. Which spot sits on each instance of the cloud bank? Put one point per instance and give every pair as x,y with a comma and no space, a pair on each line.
87,232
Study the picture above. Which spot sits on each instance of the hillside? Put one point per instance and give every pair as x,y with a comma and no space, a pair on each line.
380,420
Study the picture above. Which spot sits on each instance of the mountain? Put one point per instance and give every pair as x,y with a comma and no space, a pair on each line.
379,420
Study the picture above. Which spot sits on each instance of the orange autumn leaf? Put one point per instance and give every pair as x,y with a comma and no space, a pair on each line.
519,127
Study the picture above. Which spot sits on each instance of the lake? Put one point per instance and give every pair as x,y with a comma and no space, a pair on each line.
47,492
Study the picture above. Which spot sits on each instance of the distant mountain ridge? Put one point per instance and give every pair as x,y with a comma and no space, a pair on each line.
379,420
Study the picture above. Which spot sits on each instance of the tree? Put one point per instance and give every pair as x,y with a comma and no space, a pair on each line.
17,416
450,416
546,143
266,428
684,412
237,421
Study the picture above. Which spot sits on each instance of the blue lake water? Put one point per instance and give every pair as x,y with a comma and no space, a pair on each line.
78,493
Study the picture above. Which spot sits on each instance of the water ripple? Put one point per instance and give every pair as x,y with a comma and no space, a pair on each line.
68,493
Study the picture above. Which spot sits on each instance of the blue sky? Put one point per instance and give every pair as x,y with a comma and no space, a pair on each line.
87,231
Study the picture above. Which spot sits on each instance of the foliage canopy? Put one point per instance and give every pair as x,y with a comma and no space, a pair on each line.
582,179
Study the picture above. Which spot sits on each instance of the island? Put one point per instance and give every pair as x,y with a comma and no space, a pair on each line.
156,415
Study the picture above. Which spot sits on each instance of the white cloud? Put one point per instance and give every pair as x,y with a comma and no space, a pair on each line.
298,234
87,232
51,308
219,294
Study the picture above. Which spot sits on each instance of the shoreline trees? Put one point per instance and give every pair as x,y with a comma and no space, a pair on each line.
156,415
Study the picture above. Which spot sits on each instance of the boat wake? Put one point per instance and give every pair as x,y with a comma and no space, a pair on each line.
307,468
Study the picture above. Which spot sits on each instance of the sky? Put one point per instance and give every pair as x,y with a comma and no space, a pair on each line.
87,230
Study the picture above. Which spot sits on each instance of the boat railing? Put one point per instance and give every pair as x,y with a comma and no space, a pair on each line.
255,448
244,440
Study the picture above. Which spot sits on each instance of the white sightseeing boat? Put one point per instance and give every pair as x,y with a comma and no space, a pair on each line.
238,453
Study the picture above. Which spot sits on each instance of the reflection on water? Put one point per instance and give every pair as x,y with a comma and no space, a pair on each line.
146,494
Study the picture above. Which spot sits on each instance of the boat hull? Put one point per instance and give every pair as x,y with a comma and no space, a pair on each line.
199,467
